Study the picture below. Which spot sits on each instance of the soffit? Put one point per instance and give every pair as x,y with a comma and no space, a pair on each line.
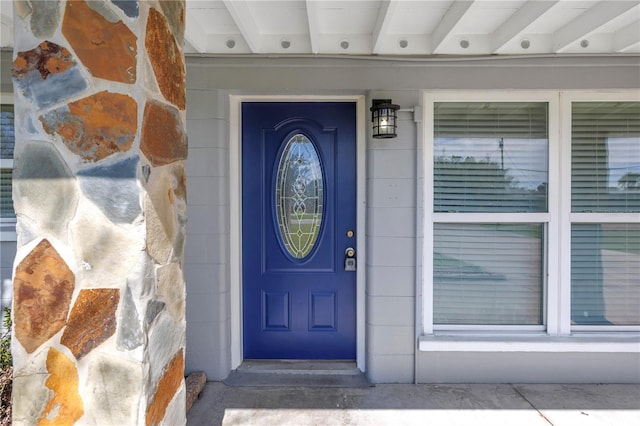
403,27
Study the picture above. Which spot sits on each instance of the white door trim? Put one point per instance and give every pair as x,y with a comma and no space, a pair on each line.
235,206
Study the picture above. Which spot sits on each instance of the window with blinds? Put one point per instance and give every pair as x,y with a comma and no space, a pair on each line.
605,184
605,157
490,156
605,274
488,274
7,141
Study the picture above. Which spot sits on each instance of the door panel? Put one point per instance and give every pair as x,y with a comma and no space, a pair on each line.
298,202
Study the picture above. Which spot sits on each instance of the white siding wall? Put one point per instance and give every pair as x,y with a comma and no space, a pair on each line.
528,367
391,242
207,250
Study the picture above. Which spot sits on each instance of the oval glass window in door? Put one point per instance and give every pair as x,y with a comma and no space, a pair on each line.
299,196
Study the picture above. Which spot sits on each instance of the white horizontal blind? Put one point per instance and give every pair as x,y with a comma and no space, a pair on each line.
7,140
605,157
605,274
6,205
488,274
490,156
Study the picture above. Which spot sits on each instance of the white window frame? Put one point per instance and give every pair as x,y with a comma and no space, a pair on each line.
557,335
568,218
549,219
7,225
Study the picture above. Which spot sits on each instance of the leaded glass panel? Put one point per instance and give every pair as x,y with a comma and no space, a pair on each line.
299,196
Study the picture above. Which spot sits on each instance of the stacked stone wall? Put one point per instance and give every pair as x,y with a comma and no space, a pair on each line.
100,197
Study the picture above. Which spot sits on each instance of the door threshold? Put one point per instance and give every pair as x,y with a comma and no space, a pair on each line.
300,366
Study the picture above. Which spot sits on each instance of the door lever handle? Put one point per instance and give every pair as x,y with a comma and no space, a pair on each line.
350,259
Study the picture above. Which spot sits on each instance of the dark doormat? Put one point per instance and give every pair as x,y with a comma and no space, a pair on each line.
298,373
237,378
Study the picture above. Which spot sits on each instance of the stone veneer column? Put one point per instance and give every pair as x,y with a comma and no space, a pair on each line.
99,191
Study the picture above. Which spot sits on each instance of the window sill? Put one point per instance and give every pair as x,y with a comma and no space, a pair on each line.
610,342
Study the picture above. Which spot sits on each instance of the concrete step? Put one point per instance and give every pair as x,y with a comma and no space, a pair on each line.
298,373
330,367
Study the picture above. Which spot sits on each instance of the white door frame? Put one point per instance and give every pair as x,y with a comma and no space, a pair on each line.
235,201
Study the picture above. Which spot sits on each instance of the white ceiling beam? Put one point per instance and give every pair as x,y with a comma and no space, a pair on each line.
518,22
194,33
448,23
589,21
381,28
314,32
626,37
241,14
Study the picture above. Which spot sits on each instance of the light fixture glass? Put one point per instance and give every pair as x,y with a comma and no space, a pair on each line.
384,118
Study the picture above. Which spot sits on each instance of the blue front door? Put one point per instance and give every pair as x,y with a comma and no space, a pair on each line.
298,219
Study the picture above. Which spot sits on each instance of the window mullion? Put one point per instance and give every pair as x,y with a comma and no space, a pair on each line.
553,289
563,240
604,217
427,224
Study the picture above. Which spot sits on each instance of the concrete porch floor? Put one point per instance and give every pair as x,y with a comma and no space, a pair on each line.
405,404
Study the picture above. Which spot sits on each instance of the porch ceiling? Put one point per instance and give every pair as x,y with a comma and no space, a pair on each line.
403,27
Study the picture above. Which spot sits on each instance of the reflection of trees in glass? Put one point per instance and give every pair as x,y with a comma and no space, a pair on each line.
470,184
605,157
602,174
630,181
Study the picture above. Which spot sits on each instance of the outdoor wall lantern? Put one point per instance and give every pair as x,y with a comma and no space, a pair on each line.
384,118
